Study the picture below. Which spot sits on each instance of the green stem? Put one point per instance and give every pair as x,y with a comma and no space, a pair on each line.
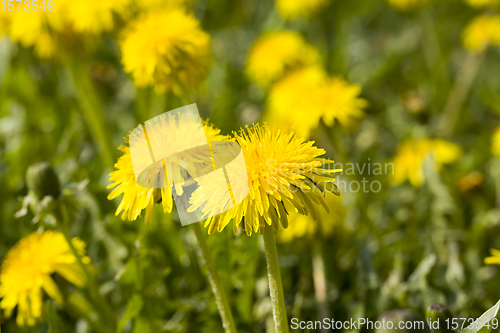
275,284
213,276
104,310
319,280
459,93
93,113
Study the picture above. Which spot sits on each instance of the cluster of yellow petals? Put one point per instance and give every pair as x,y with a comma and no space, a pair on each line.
27,269
411,155
483,31
275,53
292,9
285,175
307,95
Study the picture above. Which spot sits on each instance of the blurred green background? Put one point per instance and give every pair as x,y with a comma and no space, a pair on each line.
403,247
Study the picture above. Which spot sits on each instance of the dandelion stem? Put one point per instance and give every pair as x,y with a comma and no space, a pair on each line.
319,279
275,284
93,113
94,294
459,93
215,281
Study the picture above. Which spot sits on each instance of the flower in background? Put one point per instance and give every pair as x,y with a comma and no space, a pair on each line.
137,198
495,144
483,3
307,95
161,4
27,269
471,181
276,52
494,259
94,17
326,224
292,9
285,175
34,28
410,157
166,49
483,31
407,4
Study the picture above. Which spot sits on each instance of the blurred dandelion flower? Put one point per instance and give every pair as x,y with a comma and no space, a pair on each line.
407,4
494,259
34,28
326,224
170,56
292,9
483,31
483,3
276,52
284,176
27,269
495,143
94,17
305,96
410,156
161,4
136,198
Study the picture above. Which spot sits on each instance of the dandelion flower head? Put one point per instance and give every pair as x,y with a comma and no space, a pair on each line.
285,175
137,198
27,269
292,9
166,49
410,157
276,52
494,259
483,31
307,95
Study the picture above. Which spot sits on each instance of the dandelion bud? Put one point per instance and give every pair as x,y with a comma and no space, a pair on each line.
402,320
42,180
436,315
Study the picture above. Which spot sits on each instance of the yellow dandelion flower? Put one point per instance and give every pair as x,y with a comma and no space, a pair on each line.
173,56
483,3
407,4
494,259
137,198
326,224
292,9
410,157
307,95
94,17
27,269
495,142
483,31
276,52
285,175
161,4
34,28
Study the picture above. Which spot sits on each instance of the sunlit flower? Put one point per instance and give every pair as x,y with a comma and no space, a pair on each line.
495,143
410,157
407,4
307,95
276,52
93,17
166,49
484,30
161,4
326,224
137,198
291,9
285,175
34,28
483,3
27,273
494,259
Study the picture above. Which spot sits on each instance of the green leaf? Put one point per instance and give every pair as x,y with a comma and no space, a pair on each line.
56,325
478,325
133,309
